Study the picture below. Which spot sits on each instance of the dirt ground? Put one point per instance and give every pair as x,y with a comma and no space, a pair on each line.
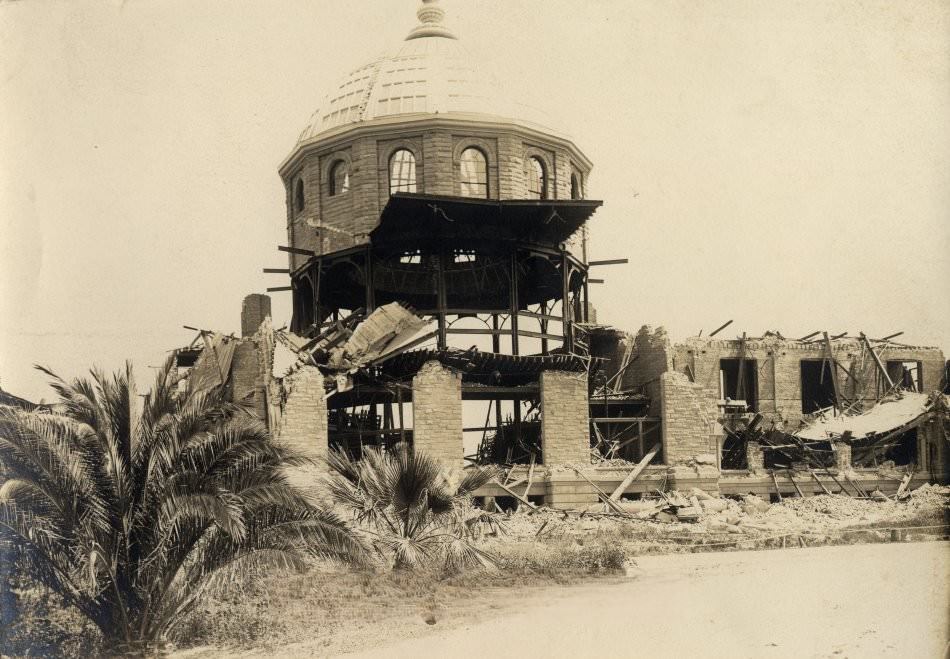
882,600
685,581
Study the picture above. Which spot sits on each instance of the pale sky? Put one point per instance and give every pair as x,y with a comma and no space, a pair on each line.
783,164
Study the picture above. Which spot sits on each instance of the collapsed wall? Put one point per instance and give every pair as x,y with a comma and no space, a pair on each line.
690,392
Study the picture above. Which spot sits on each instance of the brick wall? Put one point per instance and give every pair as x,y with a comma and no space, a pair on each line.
653,354
565,418
689,419
254,309
303,422
778,370
437,413
246,383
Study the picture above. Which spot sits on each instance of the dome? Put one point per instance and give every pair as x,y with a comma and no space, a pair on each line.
430,73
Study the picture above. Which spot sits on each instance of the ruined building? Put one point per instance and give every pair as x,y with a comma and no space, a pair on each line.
437,263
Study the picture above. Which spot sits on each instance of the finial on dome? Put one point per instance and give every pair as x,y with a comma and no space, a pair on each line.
430,16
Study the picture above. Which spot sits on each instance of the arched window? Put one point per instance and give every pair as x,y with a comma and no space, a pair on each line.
402,171
299,200
474,174
577,192
537,179
339,178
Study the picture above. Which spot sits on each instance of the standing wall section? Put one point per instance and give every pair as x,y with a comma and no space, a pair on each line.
437,414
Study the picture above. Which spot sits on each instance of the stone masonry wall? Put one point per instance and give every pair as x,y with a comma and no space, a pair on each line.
778,370
246,382
437,413
303,423
565,418
653,354
689,421
329,223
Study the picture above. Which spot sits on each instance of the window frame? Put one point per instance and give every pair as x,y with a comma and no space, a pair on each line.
463,182
412,185
332,187
299,198
537,172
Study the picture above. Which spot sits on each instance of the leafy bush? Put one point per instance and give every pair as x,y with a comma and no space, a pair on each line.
416,513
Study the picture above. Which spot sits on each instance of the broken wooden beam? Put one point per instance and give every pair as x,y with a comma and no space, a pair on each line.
517,496
720,328
778,492
632,476
877,361
818,480
603,495
296,250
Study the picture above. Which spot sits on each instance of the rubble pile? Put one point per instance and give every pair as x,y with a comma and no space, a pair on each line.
696,513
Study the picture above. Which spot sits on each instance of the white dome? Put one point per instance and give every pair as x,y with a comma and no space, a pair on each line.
430,73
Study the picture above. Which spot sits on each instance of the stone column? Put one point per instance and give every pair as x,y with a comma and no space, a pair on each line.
755,456
842,456
437,414
303,423
565,418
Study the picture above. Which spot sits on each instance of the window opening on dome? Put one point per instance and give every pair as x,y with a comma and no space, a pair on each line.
413,258
464,256
576,191
339,178
537,180
299,200
474,174
402,171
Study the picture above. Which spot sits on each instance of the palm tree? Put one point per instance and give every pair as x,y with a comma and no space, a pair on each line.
415,515
132,508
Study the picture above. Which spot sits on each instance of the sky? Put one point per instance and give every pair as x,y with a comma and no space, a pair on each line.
785,165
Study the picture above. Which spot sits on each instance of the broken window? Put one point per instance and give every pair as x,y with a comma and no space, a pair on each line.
339,178
874,451
818,389
906,374
738,381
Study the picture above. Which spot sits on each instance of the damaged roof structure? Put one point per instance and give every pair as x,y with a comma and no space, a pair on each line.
438,264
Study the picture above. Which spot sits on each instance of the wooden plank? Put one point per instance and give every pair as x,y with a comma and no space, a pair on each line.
609,262
818,480
791,477
877,361
834,371
775,481
517,496
720,328
905,482
296,250
276,289
603,495
277,271
636,471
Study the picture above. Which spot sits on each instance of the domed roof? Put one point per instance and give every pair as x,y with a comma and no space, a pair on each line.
430,73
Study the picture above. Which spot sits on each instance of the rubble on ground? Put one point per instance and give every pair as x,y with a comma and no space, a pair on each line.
701,514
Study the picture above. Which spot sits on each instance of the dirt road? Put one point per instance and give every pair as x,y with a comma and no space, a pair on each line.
886,600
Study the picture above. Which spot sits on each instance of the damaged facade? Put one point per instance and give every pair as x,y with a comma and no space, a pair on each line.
439,275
